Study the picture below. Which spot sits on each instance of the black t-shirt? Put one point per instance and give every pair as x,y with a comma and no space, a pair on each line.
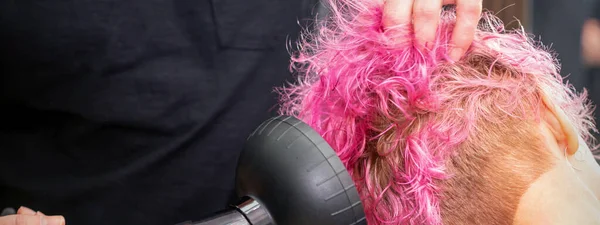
134,111
558,24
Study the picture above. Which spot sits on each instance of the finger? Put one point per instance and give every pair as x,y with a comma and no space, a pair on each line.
21,219
468,13
25,211
448,2
426,14
55,220
397,12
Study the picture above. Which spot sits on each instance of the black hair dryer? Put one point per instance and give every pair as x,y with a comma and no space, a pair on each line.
289,175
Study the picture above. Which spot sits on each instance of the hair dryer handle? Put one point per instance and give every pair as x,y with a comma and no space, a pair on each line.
249,212
230,217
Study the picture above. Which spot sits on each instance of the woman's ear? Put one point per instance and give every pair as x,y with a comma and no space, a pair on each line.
559,124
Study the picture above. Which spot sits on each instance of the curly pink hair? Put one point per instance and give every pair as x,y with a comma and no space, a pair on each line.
380,100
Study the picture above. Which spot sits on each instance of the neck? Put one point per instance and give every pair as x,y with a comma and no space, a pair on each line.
559,196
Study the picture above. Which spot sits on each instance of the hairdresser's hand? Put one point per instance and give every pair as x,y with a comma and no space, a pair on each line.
27,216
425,15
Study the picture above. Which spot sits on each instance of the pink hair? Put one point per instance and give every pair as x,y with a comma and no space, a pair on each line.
352,74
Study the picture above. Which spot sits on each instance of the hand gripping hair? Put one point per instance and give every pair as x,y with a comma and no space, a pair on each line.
429,141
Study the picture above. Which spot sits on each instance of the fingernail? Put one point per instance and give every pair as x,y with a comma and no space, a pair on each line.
455,54
25,210
55,220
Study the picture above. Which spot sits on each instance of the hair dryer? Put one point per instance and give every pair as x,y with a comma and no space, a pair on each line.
289,175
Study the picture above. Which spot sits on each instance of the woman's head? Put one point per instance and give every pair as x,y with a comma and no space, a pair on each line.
430,141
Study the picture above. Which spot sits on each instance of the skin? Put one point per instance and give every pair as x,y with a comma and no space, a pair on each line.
26,216
424,15
591,43
568,193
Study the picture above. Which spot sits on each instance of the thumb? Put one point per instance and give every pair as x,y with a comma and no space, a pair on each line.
21,219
